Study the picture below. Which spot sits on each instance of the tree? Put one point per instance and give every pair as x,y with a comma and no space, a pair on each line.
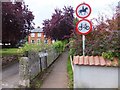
61,25
118,15
16,22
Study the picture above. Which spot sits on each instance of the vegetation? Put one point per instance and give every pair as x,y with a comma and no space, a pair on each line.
16,22
9,56
9,51
33,47
97,42
59,46
70,73
61,25
110,55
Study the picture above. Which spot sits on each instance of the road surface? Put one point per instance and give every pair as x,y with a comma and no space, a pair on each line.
10,76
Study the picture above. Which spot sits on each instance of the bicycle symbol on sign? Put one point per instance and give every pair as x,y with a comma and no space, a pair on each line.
83,26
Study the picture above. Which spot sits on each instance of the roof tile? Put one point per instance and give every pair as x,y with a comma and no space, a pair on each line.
102,61
91,60
76,59
108,63
86,60
81,60
94,60
115,62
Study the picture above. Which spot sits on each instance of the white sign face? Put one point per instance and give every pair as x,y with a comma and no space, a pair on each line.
83,10
84,26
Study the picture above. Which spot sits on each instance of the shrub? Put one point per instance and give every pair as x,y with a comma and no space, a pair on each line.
96,43
108,55
59,46
33,47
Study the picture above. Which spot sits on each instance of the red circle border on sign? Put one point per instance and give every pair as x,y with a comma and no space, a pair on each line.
77,30
79,6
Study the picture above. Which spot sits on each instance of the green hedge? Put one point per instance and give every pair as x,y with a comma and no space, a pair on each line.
97,43
59,46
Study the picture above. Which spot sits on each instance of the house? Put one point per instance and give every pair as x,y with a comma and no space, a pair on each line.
95,72
37,35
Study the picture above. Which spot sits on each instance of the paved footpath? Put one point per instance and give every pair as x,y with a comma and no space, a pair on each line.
57,78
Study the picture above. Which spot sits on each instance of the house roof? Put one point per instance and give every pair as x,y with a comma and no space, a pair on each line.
36,30
94,61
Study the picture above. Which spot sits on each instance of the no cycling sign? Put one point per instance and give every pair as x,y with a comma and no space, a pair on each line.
83,26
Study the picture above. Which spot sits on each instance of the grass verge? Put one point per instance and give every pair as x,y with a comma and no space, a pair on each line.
70,73
9,51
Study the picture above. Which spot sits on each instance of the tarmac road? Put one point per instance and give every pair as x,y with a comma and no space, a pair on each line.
10,76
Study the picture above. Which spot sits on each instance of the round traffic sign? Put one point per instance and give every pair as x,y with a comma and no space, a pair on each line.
83,10
84,26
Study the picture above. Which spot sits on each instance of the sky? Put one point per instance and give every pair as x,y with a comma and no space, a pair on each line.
43,9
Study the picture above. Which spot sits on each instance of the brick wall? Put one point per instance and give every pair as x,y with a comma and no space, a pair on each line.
42,38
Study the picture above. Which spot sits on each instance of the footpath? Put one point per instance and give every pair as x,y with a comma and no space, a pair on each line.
57,78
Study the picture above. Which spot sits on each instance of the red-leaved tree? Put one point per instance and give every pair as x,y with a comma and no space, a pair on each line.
61,25
16,22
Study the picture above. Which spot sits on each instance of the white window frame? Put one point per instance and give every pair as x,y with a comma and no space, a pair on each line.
32,34
39,34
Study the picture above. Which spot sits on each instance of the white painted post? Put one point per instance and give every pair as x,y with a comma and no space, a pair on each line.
83,37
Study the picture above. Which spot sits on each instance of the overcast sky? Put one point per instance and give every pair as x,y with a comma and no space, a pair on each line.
43,9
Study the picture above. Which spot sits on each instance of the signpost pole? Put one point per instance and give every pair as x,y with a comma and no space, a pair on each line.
83,37
83,26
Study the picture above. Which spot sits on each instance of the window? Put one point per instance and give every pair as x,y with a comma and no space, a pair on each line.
38,40
39,34
32,34
45,41
32,41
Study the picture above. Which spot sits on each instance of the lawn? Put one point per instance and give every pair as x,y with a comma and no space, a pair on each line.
9,51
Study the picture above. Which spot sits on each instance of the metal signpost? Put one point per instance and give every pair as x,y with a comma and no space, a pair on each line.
83,26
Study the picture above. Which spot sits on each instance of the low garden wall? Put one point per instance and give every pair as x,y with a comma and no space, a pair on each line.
95,77
96,72
34,63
